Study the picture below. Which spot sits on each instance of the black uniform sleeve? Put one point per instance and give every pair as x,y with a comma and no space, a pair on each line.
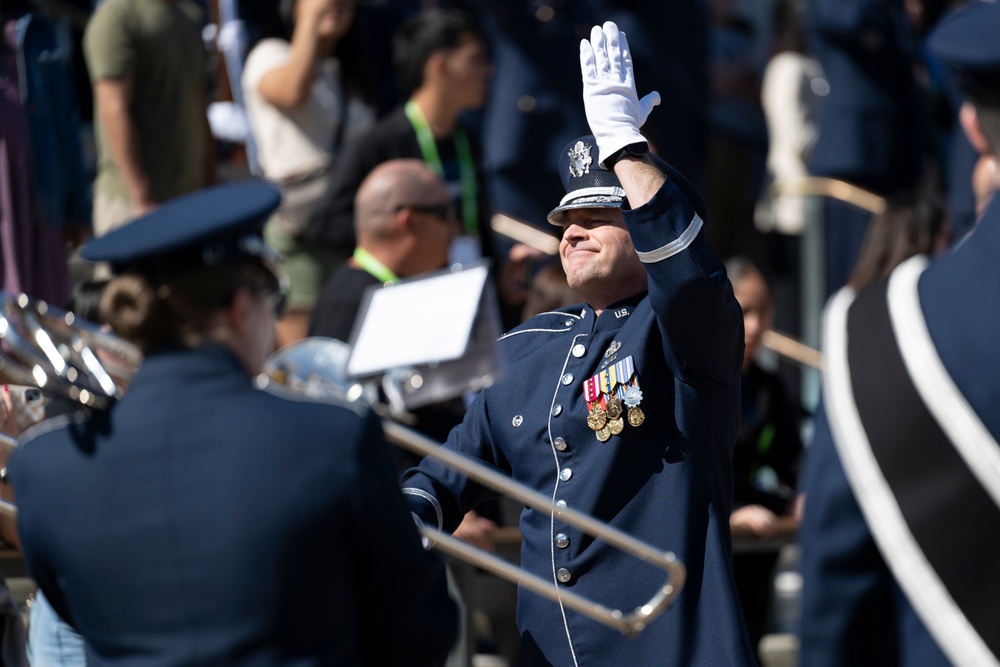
394,572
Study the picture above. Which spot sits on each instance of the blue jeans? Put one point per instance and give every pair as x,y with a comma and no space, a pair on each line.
51,641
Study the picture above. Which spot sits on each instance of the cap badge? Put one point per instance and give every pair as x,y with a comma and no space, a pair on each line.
579,159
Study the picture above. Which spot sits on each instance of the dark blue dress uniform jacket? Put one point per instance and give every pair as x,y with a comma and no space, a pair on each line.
870,122
854,612
667,481
205,522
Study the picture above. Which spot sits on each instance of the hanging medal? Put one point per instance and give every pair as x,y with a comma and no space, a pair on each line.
609,379
613,396
597,416
627,389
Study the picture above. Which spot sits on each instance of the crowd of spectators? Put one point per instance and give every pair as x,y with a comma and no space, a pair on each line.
763,96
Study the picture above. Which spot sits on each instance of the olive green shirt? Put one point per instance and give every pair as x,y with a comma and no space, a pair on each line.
158,43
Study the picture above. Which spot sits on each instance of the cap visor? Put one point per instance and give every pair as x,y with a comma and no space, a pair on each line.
557,215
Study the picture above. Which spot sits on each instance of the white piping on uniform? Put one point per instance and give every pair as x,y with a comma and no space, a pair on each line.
420,493
558,312
607,191
677,245
48,425
950,628
555,493
943,399
514,333
551,312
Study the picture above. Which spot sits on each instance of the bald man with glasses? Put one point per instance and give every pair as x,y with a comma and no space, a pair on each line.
404,223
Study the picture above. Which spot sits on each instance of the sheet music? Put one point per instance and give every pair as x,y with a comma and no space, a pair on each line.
419,322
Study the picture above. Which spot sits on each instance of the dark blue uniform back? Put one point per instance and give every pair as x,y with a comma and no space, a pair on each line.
203,521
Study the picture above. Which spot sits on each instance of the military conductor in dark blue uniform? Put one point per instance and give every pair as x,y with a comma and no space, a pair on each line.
624,407
201,520
902,513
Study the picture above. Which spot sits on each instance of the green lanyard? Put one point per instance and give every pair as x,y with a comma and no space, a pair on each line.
466,166
373,267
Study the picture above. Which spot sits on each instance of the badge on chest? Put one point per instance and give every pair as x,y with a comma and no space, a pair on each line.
612,396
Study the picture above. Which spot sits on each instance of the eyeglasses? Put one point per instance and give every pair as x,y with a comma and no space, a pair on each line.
277,298
278,302
443,211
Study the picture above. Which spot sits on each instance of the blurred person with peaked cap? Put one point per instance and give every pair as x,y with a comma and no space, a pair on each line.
869,114
624,407
902,481
202,520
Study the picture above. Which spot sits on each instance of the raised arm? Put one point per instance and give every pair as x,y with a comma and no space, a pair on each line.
287,86
700,321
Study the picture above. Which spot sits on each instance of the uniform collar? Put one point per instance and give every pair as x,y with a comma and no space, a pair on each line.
614,316
210,359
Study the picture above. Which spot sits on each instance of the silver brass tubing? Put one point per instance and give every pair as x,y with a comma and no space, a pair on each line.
525,233
629,624
7,447
829,187
793,349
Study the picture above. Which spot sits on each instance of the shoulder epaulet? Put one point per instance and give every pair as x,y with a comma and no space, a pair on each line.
556,321
55,423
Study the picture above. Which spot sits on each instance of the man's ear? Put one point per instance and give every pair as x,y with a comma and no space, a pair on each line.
969,119
434,66
405,222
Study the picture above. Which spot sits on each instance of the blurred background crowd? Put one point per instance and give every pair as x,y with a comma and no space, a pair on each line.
823,135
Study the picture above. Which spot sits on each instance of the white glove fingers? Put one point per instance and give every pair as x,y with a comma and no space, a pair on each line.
628,74
646,105
612,38
587,65
600,46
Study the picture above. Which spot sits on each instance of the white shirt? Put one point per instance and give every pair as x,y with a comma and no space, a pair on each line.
298,141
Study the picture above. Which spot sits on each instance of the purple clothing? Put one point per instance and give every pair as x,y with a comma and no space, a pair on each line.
32,255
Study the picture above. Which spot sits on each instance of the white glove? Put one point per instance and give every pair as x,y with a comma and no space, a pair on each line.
614,111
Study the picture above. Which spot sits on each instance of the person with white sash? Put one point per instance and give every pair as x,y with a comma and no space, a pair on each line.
902,482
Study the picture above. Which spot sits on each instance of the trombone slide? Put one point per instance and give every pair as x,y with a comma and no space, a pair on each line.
629,624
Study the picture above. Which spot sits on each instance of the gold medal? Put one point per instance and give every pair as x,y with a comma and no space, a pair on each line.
616,425
604,434
636,416
614,407
597,418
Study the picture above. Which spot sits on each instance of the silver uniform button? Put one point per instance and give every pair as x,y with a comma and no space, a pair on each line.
562,540
569,323
556,410
563,575
567,379
560,444
579,350
517,420
565,474
561,504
